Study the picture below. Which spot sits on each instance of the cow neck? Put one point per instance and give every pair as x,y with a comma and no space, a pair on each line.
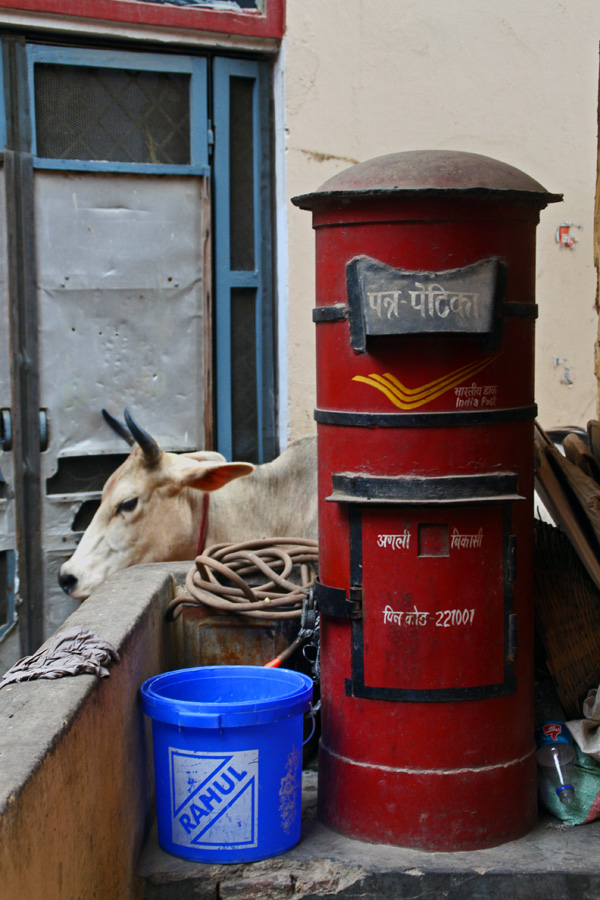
203,524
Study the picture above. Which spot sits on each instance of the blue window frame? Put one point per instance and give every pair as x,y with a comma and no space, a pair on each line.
123,74
237,94
243,261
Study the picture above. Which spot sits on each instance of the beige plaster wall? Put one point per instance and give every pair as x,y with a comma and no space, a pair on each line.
516,81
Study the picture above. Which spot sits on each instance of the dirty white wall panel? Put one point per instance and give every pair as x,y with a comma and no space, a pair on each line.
120,277
121,313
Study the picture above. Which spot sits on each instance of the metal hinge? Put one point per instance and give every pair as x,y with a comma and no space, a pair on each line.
335,602
354,601
210,135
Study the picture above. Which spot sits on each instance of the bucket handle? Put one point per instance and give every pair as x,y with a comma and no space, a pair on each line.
311,712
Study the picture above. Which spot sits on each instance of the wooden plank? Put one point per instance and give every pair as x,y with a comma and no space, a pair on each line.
562,504
578,453
585,489
207,311
593,430
18,173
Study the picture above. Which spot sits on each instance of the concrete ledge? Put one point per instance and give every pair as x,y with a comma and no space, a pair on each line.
553,862
76,789
75,769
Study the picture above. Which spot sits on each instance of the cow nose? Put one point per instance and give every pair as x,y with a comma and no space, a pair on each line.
67,582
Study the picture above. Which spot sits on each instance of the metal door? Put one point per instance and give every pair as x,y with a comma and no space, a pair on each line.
120,201
109,185
122,322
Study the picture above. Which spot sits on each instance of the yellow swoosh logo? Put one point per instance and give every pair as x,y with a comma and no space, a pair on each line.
410,398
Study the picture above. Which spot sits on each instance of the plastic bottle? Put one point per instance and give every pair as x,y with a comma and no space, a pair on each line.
555,754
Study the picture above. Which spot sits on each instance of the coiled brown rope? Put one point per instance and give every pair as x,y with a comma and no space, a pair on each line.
217,578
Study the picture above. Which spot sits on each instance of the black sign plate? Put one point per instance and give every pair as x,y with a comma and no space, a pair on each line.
387,301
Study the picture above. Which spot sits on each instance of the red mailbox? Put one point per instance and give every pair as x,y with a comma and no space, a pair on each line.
425,350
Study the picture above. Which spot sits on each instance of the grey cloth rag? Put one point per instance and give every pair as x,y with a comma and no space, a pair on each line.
586,731
74,651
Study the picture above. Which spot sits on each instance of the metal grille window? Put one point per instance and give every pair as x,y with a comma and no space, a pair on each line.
109,111
241,173
243,374
243,253
112,114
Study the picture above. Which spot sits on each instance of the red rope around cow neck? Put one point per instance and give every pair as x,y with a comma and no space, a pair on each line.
203,525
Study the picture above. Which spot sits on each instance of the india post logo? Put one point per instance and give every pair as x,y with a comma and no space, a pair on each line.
214,798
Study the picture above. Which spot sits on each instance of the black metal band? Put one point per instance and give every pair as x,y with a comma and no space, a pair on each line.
336,313
521,310
425,420
435,695
417,490
331,601
340,312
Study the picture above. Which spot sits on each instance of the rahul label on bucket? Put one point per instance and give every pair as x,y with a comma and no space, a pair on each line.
214,798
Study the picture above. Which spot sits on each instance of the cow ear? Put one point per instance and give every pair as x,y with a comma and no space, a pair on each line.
212,477
206,456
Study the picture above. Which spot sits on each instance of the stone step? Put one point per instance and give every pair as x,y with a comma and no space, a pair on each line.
552,862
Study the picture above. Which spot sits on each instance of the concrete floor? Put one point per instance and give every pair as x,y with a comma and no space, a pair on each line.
553,862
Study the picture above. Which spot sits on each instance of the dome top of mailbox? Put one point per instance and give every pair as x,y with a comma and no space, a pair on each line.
432,172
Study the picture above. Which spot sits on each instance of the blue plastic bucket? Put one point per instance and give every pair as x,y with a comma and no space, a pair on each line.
228,760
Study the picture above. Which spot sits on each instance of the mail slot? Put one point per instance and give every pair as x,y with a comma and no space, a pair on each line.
425,278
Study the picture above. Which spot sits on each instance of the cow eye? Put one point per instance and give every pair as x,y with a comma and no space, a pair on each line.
127,505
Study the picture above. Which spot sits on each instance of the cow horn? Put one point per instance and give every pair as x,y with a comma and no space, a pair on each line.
118,427
151,449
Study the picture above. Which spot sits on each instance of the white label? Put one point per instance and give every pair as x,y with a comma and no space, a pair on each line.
395,541
466,541
214,798
444,618
476,395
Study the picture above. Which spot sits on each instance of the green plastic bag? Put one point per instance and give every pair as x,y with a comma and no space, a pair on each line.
586,802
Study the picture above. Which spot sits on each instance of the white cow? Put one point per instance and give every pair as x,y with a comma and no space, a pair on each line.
153,507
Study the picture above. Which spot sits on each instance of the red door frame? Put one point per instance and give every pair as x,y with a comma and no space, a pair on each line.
268,23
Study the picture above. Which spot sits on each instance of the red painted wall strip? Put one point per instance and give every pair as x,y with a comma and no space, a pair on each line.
269,24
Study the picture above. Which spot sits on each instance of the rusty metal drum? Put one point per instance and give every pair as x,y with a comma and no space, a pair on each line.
425,279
